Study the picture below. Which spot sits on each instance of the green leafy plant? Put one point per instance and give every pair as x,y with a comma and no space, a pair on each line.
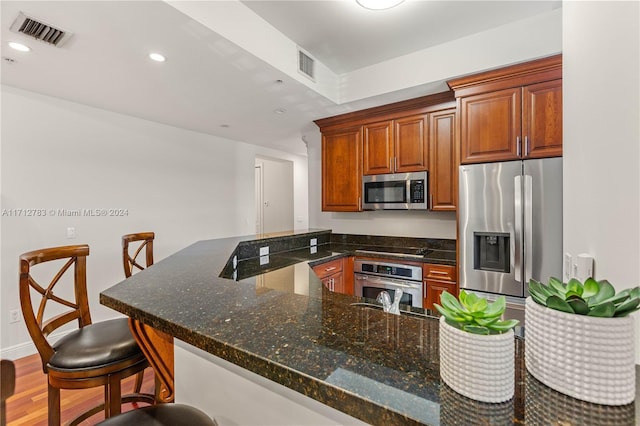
593,298
474,314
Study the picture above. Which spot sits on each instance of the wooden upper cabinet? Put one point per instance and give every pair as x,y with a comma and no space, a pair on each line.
511,113
443,166
542,119
342,170
490,124
395,146
391,138
377,148
411,153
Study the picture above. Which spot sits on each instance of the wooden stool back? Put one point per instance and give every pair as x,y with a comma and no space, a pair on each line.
38,326
130,261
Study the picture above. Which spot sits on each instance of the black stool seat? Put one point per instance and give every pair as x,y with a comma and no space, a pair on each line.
161,415
95,345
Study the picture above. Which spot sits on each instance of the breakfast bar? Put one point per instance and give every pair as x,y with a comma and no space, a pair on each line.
273,317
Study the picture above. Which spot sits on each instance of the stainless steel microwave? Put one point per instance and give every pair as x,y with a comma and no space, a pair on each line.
397,191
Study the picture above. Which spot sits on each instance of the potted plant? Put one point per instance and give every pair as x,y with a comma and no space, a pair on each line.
476,347
579,339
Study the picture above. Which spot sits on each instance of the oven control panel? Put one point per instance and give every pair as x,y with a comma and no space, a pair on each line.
393,270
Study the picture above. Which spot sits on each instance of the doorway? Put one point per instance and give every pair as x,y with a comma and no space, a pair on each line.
273,195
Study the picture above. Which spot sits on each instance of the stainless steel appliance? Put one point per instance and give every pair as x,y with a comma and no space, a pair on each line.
398,191
372,277
510,225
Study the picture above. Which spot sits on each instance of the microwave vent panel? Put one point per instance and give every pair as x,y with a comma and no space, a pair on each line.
40,30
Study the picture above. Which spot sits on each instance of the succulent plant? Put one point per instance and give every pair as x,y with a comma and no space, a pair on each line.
593,298
474,314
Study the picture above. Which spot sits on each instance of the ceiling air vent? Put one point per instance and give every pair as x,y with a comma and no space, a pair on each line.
305,64
40,30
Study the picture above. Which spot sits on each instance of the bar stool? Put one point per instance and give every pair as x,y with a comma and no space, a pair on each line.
158,348
130,262
8,375
100,354
144,242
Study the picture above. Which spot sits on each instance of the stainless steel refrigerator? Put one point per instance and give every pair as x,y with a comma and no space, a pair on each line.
510,225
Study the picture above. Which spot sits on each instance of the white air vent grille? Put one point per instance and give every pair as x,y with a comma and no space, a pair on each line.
39,30
305,64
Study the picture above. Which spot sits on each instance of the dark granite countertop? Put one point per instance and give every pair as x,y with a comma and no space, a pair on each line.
378,367
292,248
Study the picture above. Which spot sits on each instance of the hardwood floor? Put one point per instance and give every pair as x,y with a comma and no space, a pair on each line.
28,405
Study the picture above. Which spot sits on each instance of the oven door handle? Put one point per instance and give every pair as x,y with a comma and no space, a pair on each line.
380,280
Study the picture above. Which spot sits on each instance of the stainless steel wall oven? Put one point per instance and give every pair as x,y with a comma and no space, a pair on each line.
372,277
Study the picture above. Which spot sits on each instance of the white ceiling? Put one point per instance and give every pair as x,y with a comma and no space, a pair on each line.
345,37
211,85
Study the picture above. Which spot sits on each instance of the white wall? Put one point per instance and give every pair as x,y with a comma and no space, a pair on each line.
602,138
184,186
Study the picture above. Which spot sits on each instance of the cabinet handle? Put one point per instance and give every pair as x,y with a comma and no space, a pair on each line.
518,146
430,201
396,161
359,203
438,272
330,269
390,165
526,146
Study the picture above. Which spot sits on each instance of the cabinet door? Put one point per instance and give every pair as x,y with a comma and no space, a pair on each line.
490,126
434,289
342,170
378,148
410,144
542,119
337,283
443,168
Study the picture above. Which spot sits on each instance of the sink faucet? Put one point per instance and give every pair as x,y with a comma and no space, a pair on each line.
385,299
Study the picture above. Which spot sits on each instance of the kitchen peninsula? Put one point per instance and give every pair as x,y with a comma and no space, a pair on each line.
377,367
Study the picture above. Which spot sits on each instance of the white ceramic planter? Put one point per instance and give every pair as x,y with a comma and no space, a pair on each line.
476,366
587,358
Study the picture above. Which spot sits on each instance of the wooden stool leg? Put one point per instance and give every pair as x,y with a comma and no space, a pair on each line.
138,384
54,405
112,397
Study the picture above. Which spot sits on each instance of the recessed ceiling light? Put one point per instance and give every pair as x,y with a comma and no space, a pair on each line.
157,57
379,4
19,46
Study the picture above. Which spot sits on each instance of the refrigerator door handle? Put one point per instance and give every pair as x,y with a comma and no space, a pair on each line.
528,227
517,195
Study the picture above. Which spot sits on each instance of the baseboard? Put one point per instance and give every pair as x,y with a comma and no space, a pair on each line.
28,348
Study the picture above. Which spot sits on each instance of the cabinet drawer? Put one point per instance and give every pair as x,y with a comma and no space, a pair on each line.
325,269
439,272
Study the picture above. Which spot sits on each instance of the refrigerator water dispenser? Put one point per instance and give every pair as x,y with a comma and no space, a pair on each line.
491,251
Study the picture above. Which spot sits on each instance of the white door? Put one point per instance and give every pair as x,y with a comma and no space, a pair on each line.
274,195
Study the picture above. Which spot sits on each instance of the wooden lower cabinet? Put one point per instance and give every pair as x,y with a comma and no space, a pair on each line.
433,289
336,275
437,279
334,282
